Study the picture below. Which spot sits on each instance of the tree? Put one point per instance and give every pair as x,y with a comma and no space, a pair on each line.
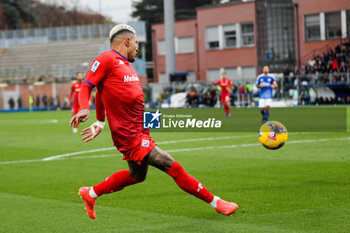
13,15
16,14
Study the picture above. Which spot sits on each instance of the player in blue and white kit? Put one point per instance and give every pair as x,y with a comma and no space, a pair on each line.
266,82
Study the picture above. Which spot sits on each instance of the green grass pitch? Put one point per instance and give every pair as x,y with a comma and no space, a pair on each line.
303,187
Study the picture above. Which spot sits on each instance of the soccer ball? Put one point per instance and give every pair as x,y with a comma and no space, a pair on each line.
273,135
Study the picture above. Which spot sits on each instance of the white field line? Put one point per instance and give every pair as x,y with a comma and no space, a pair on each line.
159,143
30,121
77,153
177,150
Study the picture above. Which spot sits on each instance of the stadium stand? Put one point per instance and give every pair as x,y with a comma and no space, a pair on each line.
336,59
58,59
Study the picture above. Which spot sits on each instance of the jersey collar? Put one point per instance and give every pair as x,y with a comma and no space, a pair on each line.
120,55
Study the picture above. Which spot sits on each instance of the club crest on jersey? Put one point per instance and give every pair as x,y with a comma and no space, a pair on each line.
95,66
145,143
151,120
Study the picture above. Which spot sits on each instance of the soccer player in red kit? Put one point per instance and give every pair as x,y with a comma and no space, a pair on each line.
120,97
225,85
74,92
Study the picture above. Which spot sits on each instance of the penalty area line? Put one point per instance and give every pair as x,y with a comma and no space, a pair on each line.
173,151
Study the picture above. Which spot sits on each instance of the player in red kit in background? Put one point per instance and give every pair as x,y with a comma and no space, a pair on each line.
120,97
226,86
74,92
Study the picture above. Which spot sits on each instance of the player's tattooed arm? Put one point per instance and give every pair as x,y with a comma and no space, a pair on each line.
160,159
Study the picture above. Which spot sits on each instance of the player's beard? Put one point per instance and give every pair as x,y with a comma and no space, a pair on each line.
131,58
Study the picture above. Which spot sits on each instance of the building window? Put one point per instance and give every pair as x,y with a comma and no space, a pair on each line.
191,76
163,78
185,45
333,25
312,27
212,37
231,73
247,32
230,36
248,73
161,47
213,74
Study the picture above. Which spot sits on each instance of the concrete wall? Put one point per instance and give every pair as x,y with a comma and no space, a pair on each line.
240,57
58,89
233,57
184,62
208,59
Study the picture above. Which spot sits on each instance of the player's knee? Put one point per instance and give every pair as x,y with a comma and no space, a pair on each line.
137,176
141,178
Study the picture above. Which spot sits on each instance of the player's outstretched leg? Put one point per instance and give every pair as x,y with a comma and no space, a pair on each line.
89,202
267,114
116,182
262,111
188,183
227,109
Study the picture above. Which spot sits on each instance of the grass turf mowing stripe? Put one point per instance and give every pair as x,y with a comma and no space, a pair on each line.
160,143
172,151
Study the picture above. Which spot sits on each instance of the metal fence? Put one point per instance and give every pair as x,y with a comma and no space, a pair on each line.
294,90
245,93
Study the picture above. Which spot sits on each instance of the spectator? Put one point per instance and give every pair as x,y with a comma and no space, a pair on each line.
37,101
11,103
337,60
213,96
334,64
19,102
31,102
45,102
242,90
58,101
206,98
192,98
249,91
304,97
65,102
51,102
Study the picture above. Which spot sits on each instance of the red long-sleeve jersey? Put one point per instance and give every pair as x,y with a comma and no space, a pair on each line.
224,84
74,92
119,94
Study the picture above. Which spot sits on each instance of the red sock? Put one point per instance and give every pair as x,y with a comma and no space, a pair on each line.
227,108
115,182
188,183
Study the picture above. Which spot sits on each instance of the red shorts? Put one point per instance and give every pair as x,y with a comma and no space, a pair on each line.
75,109
225,98
139,149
